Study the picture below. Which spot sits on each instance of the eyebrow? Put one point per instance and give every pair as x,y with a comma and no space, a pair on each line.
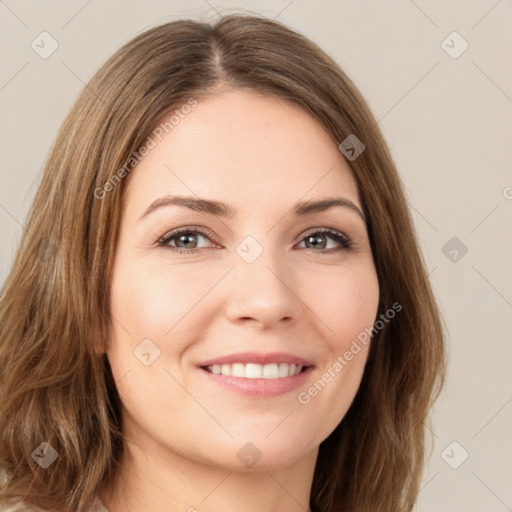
221,209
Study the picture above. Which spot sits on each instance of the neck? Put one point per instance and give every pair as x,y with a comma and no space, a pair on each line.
158,480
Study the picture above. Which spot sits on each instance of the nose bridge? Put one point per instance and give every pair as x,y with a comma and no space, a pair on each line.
262,282
258,263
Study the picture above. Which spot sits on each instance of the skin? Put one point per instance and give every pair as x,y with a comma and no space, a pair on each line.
261,156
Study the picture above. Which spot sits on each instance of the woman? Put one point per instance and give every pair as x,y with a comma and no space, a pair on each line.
218,302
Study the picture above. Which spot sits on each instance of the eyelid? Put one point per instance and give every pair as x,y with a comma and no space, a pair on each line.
324,229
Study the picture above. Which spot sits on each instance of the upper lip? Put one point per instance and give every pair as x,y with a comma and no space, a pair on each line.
258,358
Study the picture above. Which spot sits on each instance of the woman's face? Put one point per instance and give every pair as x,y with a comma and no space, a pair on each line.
260,285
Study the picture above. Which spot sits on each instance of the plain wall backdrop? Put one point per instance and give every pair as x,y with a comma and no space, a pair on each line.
438,77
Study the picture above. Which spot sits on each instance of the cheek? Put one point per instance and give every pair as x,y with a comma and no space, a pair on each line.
149,302
350,310
347,303
162,303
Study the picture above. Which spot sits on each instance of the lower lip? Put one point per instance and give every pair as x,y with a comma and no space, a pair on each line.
260,388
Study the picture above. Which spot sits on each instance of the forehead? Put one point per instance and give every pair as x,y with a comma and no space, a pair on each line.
244,148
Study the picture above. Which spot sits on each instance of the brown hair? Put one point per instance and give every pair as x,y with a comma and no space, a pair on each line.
56,385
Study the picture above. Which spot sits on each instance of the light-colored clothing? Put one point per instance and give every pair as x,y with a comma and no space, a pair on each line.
99,506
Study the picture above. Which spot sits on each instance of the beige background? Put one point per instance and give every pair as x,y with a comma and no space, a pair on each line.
448,122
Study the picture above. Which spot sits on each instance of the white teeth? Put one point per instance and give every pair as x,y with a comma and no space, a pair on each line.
270,371
256,371
253,371
283,370
237,370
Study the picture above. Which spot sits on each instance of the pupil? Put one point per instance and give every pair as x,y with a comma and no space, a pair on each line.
316,238
185,237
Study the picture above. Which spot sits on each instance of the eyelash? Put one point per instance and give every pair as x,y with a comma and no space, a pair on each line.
344,241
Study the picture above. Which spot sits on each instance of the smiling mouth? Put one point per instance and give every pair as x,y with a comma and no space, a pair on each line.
256,371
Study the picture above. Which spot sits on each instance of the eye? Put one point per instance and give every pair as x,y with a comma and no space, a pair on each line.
323,234
185,240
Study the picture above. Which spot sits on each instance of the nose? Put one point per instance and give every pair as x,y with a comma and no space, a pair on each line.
264,292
